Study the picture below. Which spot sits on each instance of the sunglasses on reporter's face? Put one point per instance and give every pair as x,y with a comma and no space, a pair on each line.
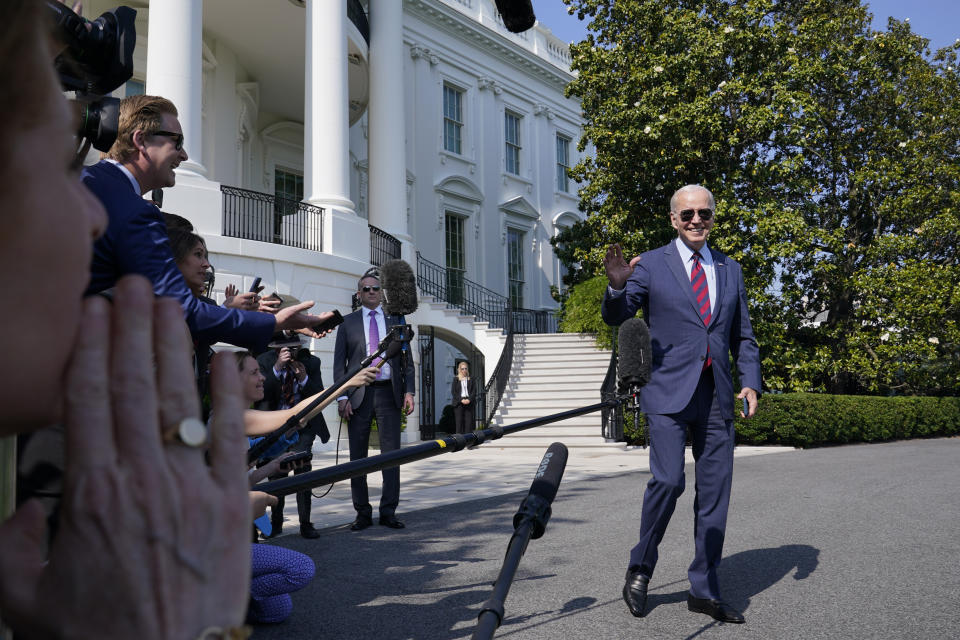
176,137
369,289
687,214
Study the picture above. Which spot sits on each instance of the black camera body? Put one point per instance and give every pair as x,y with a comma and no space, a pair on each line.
96,59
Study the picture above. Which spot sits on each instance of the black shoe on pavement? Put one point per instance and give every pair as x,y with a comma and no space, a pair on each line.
716,609
391,522
308,532
635,592
361,523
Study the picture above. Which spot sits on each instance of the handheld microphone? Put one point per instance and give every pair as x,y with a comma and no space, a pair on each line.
517,15
399,288
635,355
535,508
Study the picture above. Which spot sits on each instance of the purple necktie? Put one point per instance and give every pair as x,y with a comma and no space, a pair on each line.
375,341
698,280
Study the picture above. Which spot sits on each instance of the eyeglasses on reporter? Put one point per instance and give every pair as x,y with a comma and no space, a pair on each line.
686,215
369,289
176,137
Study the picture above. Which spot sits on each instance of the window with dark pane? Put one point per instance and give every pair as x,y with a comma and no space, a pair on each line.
512,142
515,266
452,119
456,259
563,163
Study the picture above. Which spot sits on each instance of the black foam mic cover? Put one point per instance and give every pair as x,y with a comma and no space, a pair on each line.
635,356
399,288
547,479
517,15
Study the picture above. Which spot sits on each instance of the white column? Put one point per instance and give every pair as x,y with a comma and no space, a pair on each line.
388,166
175,70
326,126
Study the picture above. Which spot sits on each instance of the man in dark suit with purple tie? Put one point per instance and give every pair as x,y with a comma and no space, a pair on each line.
383,399
695,304
149,147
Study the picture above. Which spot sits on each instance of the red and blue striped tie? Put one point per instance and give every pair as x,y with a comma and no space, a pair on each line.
698,280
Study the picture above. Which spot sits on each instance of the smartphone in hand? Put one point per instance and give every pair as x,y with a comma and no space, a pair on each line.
256,285
296,460
329,323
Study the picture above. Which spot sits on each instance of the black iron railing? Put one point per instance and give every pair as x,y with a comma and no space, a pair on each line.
611,419
472,298
493,390
450,286
383,246
268,218
356,15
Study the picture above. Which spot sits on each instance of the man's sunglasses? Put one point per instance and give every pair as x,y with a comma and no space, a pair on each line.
687,214
369,289
176,137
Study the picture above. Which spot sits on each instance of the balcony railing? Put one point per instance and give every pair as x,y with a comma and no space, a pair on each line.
357,16
261,216
450,286
383,247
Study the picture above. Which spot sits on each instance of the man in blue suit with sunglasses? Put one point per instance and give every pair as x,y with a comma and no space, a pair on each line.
695,304
148,149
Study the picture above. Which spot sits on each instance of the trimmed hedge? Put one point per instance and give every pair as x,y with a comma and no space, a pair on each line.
813,419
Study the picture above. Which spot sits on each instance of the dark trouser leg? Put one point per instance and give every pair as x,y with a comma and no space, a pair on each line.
358,430
713,441
388,427
668,435
303,497
462,414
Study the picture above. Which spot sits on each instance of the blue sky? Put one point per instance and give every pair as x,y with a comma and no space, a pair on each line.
938,20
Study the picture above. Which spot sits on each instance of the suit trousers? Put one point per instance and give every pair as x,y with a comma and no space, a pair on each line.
463,414
378,401
713,440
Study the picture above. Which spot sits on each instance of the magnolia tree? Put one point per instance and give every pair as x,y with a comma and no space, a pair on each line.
834,154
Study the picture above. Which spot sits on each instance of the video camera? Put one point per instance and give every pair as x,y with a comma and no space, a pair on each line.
96,59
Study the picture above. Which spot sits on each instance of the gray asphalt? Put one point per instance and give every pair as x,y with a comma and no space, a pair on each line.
856,541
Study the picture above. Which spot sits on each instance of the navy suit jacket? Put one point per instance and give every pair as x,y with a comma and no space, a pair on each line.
136,242
351,348
659,285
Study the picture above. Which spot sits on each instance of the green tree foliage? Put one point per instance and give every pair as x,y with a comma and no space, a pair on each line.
834,154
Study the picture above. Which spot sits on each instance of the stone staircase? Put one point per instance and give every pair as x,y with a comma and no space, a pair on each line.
554,372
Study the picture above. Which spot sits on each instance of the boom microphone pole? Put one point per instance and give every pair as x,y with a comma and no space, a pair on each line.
388,348
529,523
397,457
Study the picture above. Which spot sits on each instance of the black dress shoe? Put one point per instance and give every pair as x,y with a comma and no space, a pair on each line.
307,531
391,522
716,609
635,592
361,523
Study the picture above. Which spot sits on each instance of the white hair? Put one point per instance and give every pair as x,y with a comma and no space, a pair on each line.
687,189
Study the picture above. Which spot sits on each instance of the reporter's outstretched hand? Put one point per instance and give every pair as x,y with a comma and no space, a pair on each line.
294,318
153,541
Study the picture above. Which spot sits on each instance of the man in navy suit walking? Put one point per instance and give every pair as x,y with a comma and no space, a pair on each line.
392,391
695,303
149,147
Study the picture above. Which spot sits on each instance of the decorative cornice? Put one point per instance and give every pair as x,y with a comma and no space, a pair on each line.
420,51
486,82
541,109
465,28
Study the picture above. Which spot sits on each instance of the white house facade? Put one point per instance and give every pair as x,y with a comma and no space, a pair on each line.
324,135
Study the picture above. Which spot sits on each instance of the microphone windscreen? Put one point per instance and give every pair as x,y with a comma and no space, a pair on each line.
547,479
517,15
399,287
635,355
